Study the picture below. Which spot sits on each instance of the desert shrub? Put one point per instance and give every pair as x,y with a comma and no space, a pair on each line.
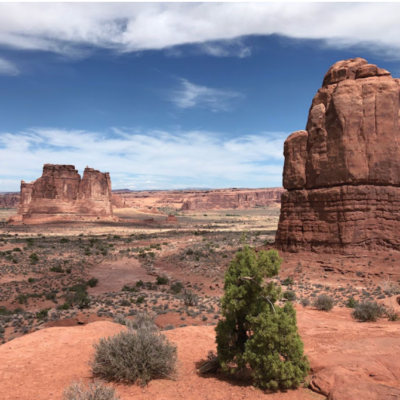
42,313
51,296
190,299
288,281
324,302
389,287
254,331
168,327
368,311
127,288
57,269
65,306
22,298
142,320
162,280
392,315
125,303
64,240
176,287
305,302
133,356
140,300
34,258
351,303
92,282
289,295
79,298
94,391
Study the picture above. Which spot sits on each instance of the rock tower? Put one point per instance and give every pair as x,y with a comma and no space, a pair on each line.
342,174
61,194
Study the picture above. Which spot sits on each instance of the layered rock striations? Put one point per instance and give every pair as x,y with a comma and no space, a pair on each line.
9,200
61,194
232,199
342,174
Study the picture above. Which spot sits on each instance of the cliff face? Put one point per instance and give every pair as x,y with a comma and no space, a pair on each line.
343,172
227,200
9,200
60,194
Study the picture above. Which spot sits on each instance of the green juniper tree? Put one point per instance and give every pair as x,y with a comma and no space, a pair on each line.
254,331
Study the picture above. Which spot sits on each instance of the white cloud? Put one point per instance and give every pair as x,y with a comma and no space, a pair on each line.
67,27
191,95
8,68
141,160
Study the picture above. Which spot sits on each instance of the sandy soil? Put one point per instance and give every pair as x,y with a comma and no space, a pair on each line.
349,360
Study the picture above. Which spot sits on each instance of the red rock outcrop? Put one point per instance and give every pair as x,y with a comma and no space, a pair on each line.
61,194
232,199
342,174
197,199
9,200
171,219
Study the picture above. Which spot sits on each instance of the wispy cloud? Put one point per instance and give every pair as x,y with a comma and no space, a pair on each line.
146,159
190,95
8,68
69,28
226,48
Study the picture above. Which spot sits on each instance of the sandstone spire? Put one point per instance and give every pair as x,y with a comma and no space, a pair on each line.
342,174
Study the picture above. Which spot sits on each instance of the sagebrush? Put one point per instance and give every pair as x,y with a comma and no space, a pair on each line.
94,391
134,356
368,311
324,302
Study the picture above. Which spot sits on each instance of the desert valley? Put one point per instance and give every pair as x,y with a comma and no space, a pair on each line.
78,261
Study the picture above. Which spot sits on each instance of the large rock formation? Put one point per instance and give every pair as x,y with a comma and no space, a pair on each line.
61,194
342,174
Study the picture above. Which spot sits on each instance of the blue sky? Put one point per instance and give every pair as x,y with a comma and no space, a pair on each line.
168,96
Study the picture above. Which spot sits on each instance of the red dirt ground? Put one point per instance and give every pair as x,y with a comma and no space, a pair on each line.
350,361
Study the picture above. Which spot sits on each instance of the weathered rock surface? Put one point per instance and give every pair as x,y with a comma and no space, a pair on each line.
61,194
198,200
234,199
9,200
343,172
171,219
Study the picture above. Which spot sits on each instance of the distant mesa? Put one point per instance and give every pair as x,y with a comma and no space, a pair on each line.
342,174
230,199
61,194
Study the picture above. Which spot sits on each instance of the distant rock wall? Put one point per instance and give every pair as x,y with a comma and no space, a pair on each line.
9,200
342,174
232,200
61,194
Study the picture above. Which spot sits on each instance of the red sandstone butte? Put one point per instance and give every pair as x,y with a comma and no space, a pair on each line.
61,194
342,174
